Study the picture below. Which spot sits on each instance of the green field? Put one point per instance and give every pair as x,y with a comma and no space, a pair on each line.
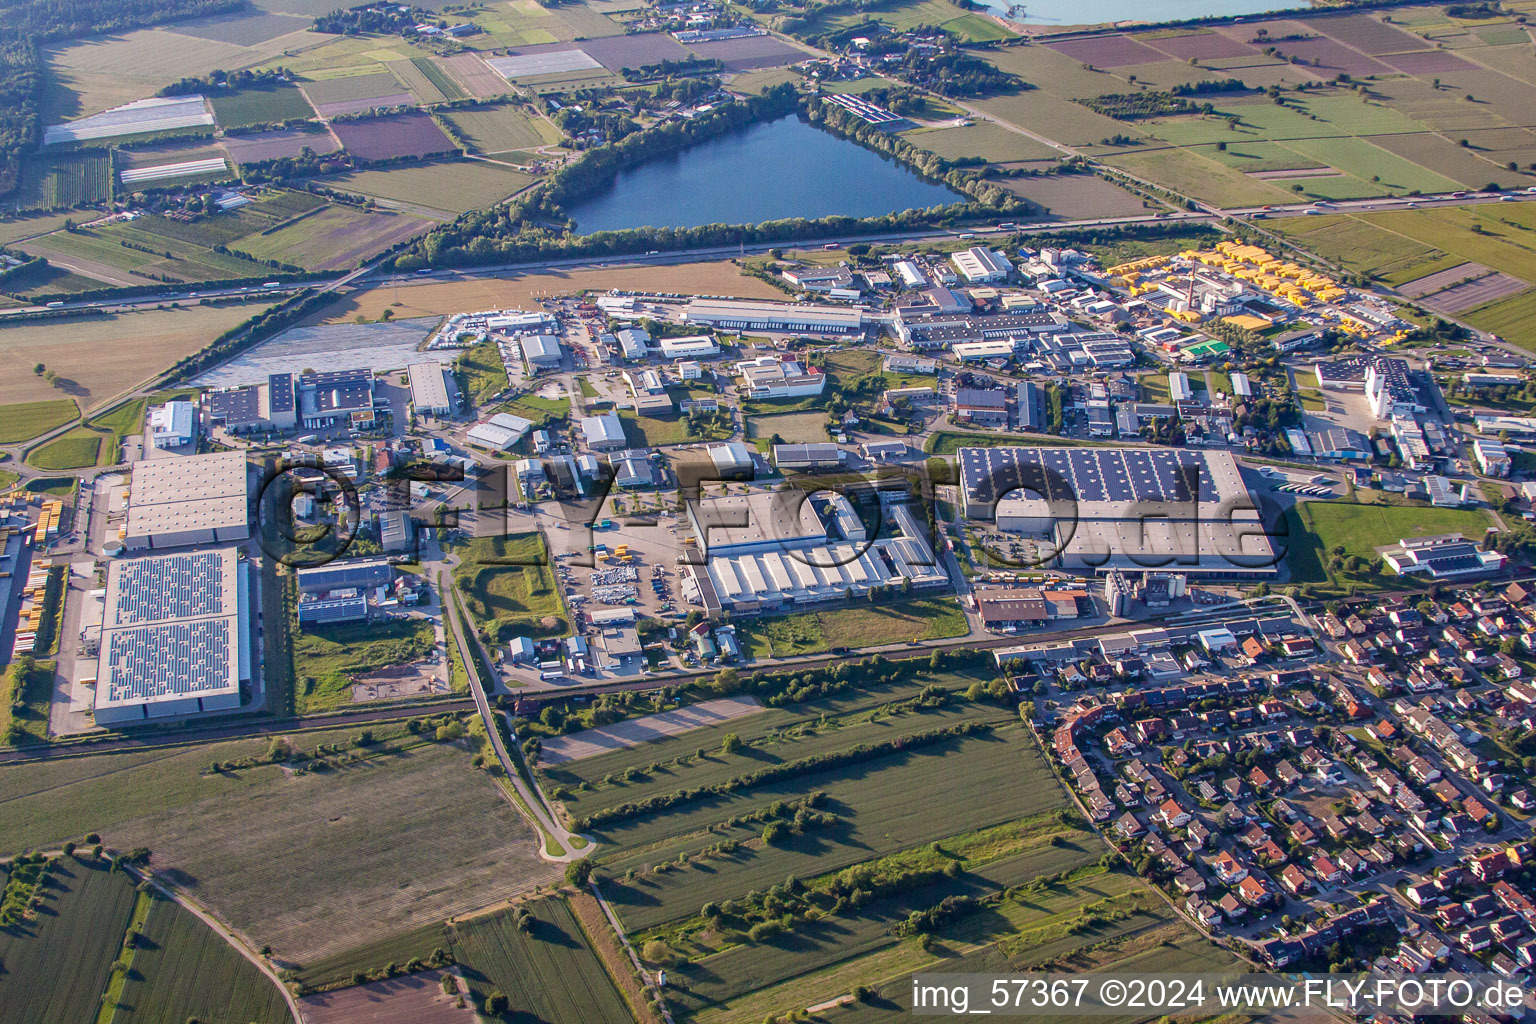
453,186
501,128
885,622
984,139
1513,319
327,659
438,77
519,598
182,970
906,14
308,859
793,427
269,104
549,972
57,964
482,372
26,420
654,431
77,449
1316,529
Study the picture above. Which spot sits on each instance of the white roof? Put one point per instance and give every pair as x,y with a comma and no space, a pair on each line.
429,386
604,429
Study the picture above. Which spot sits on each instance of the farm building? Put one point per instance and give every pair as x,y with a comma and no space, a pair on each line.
175,636
199,499
429,389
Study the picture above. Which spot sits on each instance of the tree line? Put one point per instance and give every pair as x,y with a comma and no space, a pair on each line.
775,773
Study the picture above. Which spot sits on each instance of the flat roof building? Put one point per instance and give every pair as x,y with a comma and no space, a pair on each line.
199,499
336,396
770,377
978,264
1098,509
695,346
773,316
173,425
808,456
175,637
781,520
429,389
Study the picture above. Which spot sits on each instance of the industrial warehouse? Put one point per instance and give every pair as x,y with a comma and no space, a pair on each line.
175,636
1099,509
199,499
771,551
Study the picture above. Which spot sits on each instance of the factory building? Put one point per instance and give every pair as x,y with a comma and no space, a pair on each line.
733,315
268,406
732,460
498,433
199,499
1492,457
1101,509
603,433
942,330
541,351
981,407
634,343
695,346
429,389
980,265
1242,390
760,521
808,456
338,591
342,397
175,637
795,564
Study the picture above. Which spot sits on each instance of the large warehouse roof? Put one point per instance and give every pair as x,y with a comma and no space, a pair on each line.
429,386
184,500
772,315
173,636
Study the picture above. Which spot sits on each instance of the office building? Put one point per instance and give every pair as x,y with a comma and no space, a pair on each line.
173,425
771,377
980,265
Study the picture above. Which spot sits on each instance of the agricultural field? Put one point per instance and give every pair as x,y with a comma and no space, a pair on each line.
1406,247
51,181
144,344
265,105
687,877
502,128
893,622
85,912
26,420
1077,196
449,186
549,972
514,291
517,598
906,14
276,145
184,970
327,659
388,138
1316,530
244,841
989,141
334,237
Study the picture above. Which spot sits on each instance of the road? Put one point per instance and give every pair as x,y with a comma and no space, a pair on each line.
532,800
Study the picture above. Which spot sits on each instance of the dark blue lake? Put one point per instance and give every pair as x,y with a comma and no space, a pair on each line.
783,168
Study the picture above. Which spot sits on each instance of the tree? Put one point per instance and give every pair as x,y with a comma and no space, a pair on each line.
656,951
731,744
578,872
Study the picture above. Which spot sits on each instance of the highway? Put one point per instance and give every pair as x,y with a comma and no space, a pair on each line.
369,276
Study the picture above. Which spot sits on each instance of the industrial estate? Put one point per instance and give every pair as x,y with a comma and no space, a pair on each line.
701,513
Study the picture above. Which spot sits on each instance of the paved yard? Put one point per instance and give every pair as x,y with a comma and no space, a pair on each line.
636,731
